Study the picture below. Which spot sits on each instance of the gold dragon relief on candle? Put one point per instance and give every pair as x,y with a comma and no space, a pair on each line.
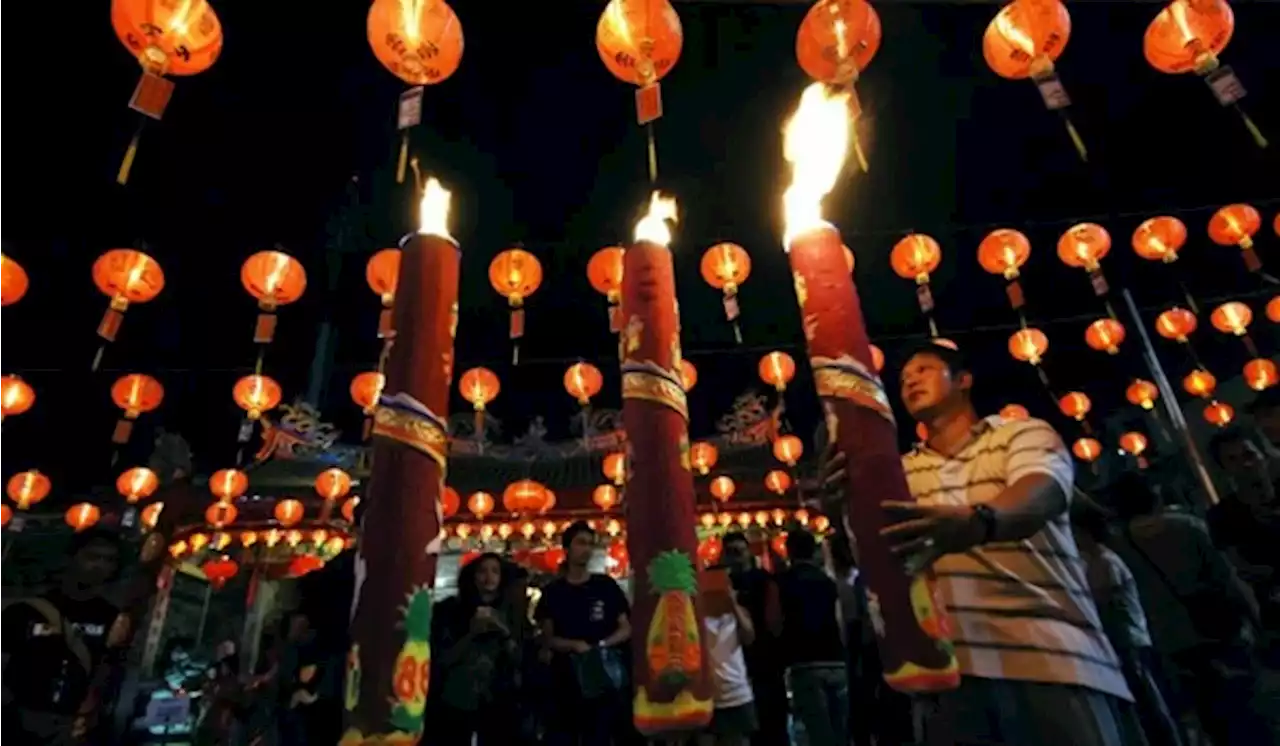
686,461
847,378
645,379
802,288
631,336
676,355
453,320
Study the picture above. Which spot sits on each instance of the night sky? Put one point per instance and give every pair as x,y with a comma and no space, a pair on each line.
539,145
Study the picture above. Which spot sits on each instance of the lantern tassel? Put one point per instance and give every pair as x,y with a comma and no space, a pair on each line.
403,160
1076,140
1258,138
515,353
653,153
97,358
126,165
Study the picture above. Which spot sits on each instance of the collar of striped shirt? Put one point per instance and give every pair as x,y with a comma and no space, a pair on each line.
1021,610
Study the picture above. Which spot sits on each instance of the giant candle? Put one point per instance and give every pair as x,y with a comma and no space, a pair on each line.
389,663
910,625
671,681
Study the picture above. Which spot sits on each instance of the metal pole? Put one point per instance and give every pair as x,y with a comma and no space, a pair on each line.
1170,401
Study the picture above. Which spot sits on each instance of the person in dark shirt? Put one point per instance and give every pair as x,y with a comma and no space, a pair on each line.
53,643
812,644
758,594
584,621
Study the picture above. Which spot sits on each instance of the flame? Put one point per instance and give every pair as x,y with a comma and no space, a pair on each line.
433,210
653,226
815,141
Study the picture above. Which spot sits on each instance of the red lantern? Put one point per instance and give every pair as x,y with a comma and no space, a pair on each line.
877,358
639,41
1233,317
1200,382
1235,225
1142,393
1133,443
273,278
383,275
1025,39
515,274
1188,35
1028,345
333,484
28,488
256,394
1003,252
1075,405
6,515
1273,310
915,257
288,512
151,515
137,483
725,267
1160,238
777,369
348,509
788,449
605,496
125,276
583,381
1176,324
722,488
220,514
304,564
480,504
1014,412
1086,449
366,388
702,456
604,272
136,394
777,481
1084,245
836,41
219,571
450,502
13,281
709,551
82,516
1105,335
524,496
479,386
419,43
1219,413
615,467
688,375
228,484
16,396
1261,374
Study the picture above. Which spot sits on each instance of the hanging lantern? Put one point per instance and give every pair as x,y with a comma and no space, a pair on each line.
1028,345
777,481
288,512
228,484
836,41
167,38
725,267
218,571
333,484
1273,310
479,386
125,276
1261,374
137,483
515,274
6,515
366,388
1105,335
1086,449
1235,225
1232,317
383,275
13,281
82,516
420,43
615,467
604,271
522,497
1159,238
777,369
605,496
16,396
1188,35
220,514
256,394
28,488
1014,413
1003,252
1075,405
151,515
450,502
135,394
722,488
915,258
788,449
703,456
480,504
1176,324
877,358
1133,443
274,279
1083,246
639,42
348,509
1219,414
688,375
1023,41
1200,382
583,381
1142,393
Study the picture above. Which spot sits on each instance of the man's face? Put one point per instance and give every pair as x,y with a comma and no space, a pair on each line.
581,548
1243,461
488,575
928,387
97,563
1268,421
737,554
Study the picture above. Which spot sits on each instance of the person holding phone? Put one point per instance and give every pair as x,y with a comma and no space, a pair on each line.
729,629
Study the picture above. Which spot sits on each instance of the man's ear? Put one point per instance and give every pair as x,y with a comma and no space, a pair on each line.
964,381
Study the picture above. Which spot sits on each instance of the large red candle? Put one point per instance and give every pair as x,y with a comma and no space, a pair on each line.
910,625
671,680
389,663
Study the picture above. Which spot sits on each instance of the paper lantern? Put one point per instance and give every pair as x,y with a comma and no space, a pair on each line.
16,396
1235,225
915,257
703,456
1075,405
1003,252
365,389
137,483
1086,449
688,375
1026,38
256,394
450,502
348,509
788,449
220,514
722,488
418,42
219,570
1142,393
228,484
877,358
480,504
1159,238
1273,310
605,496
524,496
479,386
27,488
13,281
583,381
82,516
1188,35
1105,335
1028,345
1219,414
515,274
604,272
1014,412
1232,317
288,512
151,515
1176,324
6,515
725,266
382,272
777,481
333,484
615,467
137,394
639,41
837,40
1200,382
1261,374
169,38
777,369
1133,443
273,278
1084,245
125,276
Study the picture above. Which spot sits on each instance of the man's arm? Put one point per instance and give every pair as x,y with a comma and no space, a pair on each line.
561,644
618,602
1039,475
746,628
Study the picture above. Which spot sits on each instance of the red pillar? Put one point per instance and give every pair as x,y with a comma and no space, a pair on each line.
911,626
389,663
672,688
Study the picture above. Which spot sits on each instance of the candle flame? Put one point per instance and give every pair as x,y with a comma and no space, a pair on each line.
433,210
815,141
653,226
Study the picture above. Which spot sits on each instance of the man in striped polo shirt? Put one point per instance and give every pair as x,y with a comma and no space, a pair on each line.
990,519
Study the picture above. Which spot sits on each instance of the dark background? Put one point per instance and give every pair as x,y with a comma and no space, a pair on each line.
539,145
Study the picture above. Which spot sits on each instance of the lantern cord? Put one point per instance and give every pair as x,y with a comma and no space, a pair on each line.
1111,310
97,358
737,332
653,152
262,354
126,165
1258,138
933,326
1191,301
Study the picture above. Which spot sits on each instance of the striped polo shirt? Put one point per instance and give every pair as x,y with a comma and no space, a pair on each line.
1021,610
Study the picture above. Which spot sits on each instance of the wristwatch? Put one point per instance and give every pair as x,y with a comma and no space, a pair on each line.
986,518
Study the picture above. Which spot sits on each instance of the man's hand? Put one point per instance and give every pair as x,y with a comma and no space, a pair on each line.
579,646
926,532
